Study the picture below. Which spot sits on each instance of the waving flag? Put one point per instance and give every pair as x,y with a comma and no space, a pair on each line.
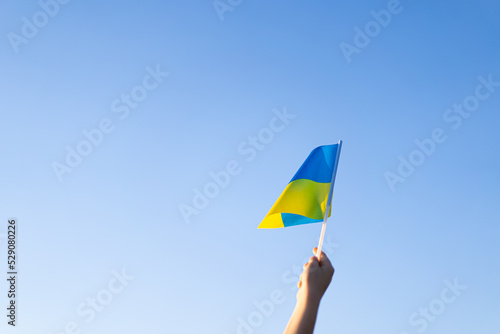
309,193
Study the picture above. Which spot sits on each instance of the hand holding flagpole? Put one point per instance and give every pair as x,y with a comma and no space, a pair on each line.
329,203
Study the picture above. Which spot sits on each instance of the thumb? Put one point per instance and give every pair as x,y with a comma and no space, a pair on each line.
324,259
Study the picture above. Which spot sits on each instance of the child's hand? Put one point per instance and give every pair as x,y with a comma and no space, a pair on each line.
313,283
315,278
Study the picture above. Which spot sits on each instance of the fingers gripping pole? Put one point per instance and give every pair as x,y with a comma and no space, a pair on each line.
329,203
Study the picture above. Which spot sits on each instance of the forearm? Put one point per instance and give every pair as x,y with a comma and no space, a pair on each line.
304,317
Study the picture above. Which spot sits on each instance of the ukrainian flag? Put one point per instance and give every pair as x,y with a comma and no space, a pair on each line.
305,198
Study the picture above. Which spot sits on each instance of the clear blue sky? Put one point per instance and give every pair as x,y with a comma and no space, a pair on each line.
395,237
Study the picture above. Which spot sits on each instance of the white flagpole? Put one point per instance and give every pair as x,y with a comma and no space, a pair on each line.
329,203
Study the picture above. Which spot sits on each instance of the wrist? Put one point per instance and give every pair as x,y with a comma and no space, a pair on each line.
310,300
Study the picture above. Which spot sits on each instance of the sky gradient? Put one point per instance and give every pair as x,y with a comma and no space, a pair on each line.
115,117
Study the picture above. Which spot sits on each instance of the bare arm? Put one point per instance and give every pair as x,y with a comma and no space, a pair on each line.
313,283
